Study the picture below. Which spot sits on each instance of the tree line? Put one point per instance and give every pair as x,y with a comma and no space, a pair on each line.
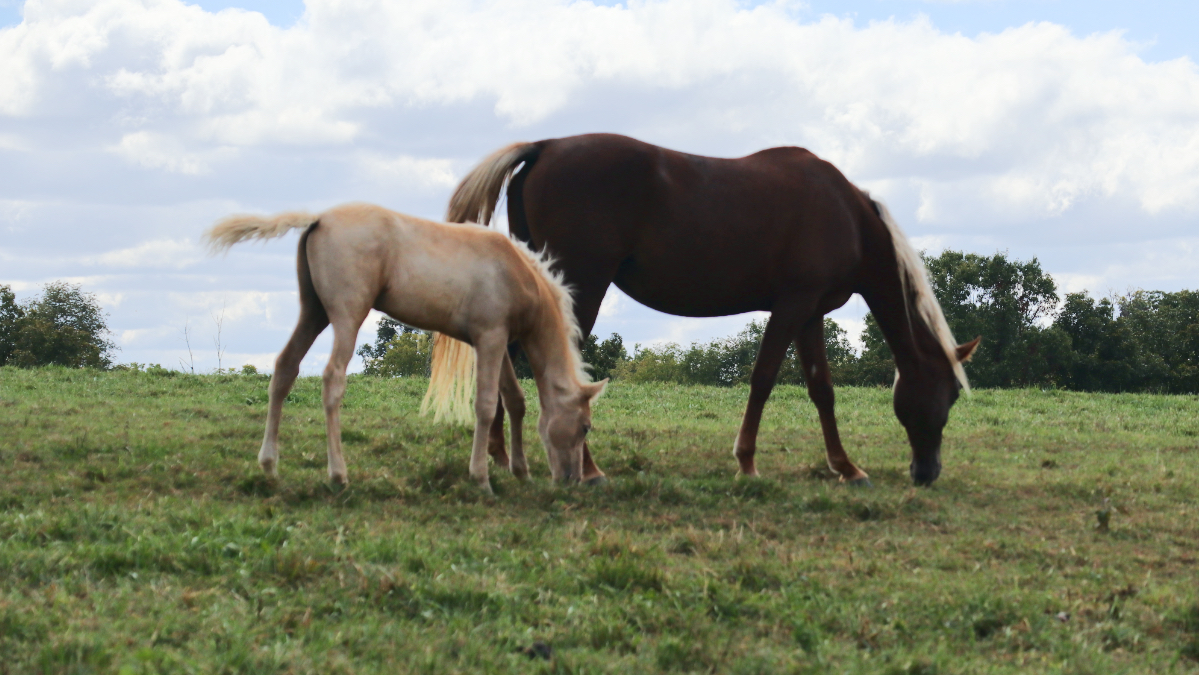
1141,341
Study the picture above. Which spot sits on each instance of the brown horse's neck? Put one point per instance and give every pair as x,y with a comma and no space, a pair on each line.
910,339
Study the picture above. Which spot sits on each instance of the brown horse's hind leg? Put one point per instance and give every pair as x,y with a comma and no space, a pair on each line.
287,367
512,400
775,341
589,295
495,444
496,432
811,345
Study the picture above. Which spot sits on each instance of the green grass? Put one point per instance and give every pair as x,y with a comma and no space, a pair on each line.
137,536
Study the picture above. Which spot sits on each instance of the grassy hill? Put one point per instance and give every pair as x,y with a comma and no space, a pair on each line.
136,535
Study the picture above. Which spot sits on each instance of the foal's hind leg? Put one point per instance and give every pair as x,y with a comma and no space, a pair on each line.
811,345
287,367
775,341
345,331
513,399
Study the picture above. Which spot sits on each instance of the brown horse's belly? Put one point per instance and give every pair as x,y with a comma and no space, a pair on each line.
692,292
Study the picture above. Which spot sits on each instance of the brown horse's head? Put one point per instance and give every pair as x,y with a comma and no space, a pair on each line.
563,425
922,399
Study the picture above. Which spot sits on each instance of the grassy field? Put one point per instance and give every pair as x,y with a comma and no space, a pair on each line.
137,536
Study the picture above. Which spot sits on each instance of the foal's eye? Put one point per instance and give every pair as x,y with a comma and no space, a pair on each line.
586,429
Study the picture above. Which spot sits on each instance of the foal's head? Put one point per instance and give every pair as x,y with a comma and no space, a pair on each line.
564,424
922,399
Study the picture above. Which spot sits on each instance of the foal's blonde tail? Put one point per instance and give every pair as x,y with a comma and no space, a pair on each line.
451,381
236,229
452,374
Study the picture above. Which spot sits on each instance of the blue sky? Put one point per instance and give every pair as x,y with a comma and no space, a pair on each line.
126,129
1168,29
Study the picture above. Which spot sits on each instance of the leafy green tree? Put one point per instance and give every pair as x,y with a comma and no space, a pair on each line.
1145,341
604,357
10,315
1004,301
62,326
399,351
1100,349
875,366
1164,328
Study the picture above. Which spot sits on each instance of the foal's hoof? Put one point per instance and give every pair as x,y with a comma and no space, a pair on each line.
338,486
863,482
596,480
486,488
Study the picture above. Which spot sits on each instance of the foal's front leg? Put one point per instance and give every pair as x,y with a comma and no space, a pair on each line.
489,356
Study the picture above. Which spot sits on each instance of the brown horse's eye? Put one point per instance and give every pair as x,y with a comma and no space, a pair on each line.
586,429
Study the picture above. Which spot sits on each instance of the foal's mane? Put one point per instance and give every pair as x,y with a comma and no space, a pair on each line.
918,294
542,264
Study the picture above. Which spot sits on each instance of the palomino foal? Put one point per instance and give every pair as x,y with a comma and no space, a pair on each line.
472,284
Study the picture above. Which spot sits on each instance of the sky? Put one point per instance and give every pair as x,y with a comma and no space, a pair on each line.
1065,131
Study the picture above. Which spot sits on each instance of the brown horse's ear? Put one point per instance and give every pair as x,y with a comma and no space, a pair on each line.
592,390
967,350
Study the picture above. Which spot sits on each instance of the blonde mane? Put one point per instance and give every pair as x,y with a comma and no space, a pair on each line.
561,293
918,294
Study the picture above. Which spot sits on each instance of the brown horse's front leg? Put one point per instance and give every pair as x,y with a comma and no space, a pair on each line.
514,403
762,381
495,443
811,345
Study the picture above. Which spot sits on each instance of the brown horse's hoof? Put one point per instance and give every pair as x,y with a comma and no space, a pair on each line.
863,482
596,480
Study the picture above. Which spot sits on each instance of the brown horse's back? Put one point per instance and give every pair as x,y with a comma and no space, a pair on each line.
691,235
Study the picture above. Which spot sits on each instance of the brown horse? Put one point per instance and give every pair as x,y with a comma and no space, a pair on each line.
779,231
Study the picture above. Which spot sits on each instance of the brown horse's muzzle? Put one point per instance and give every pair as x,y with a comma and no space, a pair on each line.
925,472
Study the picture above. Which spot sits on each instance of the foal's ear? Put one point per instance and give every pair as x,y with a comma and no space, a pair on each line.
967,350
592,390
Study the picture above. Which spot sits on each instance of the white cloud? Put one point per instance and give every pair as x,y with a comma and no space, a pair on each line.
1077,283
152,254
426,174
136,123
610,306
160,151
1047,116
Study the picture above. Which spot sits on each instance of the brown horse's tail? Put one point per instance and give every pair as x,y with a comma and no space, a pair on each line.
474,201
452,373
236,229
